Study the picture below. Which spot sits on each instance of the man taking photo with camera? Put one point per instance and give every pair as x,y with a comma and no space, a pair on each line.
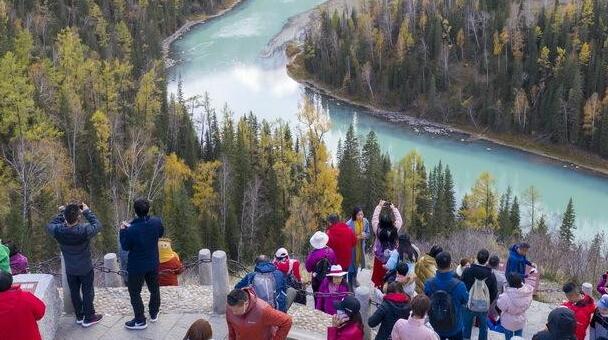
74,240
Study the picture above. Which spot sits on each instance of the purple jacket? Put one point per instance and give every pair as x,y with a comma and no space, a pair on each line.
19,264
326,303
601,285
316,255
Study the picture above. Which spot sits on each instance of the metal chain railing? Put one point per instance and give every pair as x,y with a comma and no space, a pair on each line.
185,266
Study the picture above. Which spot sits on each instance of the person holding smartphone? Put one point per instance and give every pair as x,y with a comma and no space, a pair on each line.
74,240
347,322
140,239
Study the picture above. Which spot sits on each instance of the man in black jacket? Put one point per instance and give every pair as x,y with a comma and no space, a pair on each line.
74,241
479,271
140,239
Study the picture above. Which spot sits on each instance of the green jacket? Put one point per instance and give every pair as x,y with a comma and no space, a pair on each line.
5,260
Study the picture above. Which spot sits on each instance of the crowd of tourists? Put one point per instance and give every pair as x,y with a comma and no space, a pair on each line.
418,295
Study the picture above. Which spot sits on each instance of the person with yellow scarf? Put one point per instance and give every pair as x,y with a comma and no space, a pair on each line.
360,226
170,265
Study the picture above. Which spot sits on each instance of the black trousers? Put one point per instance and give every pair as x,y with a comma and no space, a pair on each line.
135,282
83,304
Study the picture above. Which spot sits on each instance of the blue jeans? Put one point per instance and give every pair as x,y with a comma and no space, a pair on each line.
469,317
509,334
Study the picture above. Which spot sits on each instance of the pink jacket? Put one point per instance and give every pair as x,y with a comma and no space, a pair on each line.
514,303
350,331
376,223
412,329
376,219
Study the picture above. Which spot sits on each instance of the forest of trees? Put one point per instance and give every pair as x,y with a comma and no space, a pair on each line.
84,113
510,66
84,116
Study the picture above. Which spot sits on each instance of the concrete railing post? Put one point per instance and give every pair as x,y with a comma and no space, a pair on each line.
68,307
220,281
110,261
204,268
362,294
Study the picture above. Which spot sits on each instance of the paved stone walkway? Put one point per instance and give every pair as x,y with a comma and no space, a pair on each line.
168,327
183,305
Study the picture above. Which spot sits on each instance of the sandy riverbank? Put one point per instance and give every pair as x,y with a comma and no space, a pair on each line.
567,157
190,23
295,27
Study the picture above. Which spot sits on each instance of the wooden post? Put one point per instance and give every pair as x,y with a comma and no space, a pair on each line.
362,294
68,307
220,281
204,268
110,261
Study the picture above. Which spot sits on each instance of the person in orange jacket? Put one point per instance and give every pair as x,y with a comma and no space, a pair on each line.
254,319
583,307
170,265
19,311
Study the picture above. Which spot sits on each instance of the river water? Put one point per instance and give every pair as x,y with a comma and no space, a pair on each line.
223,58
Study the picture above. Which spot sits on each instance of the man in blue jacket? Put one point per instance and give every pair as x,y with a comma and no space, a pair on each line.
436,288
517,261
268,283
74,240
140,239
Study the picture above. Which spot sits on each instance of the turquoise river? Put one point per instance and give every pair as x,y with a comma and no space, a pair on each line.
223,57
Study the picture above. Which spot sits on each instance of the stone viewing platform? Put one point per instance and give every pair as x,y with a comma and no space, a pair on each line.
180,306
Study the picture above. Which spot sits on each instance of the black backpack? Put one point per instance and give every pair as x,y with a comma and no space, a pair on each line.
443,312
322,268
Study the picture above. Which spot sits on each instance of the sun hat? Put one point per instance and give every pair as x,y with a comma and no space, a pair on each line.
336,270
319,240
350,305
281,253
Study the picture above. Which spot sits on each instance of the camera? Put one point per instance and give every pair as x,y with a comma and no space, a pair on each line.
387,204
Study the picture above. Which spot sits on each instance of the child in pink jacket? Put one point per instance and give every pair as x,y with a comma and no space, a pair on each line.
514,303
415,328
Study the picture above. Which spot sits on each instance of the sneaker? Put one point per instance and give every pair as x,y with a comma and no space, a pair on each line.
79,320
93,320
153,318
134,324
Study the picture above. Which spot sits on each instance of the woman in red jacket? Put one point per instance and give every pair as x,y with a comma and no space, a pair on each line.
346,324
19,311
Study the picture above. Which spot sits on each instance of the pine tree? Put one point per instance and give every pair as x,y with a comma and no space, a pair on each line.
514,219
504,221
349,178
374,185
541,228
566,230
449,199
